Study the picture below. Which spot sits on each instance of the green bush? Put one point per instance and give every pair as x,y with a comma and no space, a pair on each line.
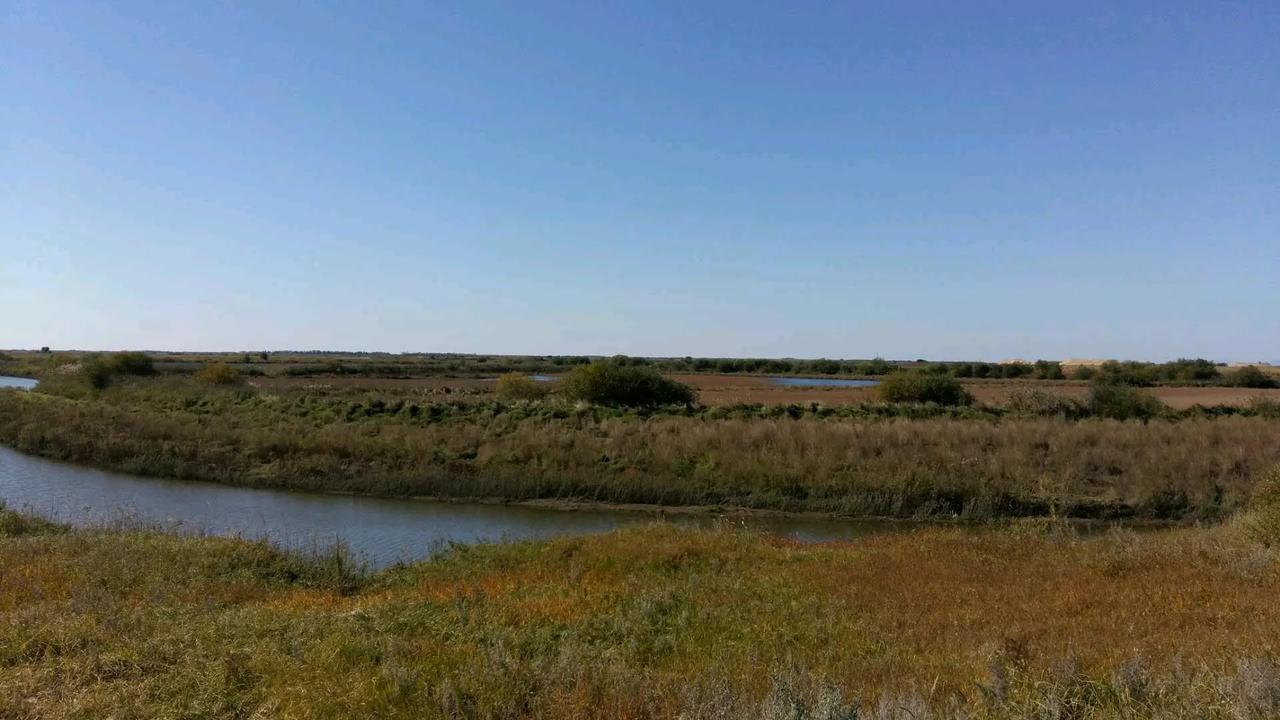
130,363
1084,372
218,374
1251,377
1263,519
1189,370
1124,402
1017,369
1265,407
1045,404
914,386
100,369
1048,370
608,382
97,372
518,386
1136,374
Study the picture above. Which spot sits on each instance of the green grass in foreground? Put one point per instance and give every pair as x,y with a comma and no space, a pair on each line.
649,622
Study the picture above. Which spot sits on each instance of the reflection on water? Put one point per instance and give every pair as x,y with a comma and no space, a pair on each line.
8,381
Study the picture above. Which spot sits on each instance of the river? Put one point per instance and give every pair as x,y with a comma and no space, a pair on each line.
381,531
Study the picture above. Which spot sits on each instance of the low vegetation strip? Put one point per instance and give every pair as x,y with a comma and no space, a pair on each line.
650,622
945,462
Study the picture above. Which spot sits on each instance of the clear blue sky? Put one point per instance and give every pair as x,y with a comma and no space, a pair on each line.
940,180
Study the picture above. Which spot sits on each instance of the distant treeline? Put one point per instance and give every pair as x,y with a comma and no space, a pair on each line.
1139,374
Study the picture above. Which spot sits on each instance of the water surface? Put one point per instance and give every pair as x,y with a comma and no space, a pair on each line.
379,530
822,382
8,381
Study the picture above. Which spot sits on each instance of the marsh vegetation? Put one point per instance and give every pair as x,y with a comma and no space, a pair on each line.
1024,619
1029,621
620,432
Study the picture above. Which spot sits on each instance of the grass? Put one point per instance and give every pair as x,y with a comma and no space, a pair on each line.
895,460
1029,621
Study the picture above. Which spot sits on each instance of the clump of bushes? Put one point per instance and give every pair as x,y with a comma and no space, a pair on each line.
1045,404
1136,374
610,382
518,386
218,374
1251,377
1263,519
1265,407
915,386
1084,372
1124,402
99,369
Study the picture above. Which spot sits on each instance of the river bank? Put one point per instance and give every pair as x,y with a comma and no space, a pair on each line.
390,445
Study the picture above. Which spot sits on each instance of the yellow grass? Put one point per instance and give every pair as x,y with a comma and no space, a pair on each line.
648,622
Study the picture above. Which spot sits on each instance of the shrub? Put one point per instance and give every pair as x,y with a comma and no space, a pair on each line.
1251,377
218,374
1265,407
1048,370
518,386
97,372
1017,369
1084,372
1263,519
129,363
1126,373
608,382
1045,404
1188,370
1124,402
920,387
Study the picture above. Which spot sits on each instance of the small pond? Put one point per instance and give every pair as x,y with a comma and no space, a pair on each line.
802,382
8,381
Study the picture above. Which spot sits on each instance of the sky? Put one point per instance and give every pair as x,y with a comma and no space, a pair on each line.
978,180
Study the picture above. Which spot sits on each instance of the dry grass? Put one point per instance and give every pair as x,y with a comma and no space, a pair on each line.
726,390
900,467
723,390
648,622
